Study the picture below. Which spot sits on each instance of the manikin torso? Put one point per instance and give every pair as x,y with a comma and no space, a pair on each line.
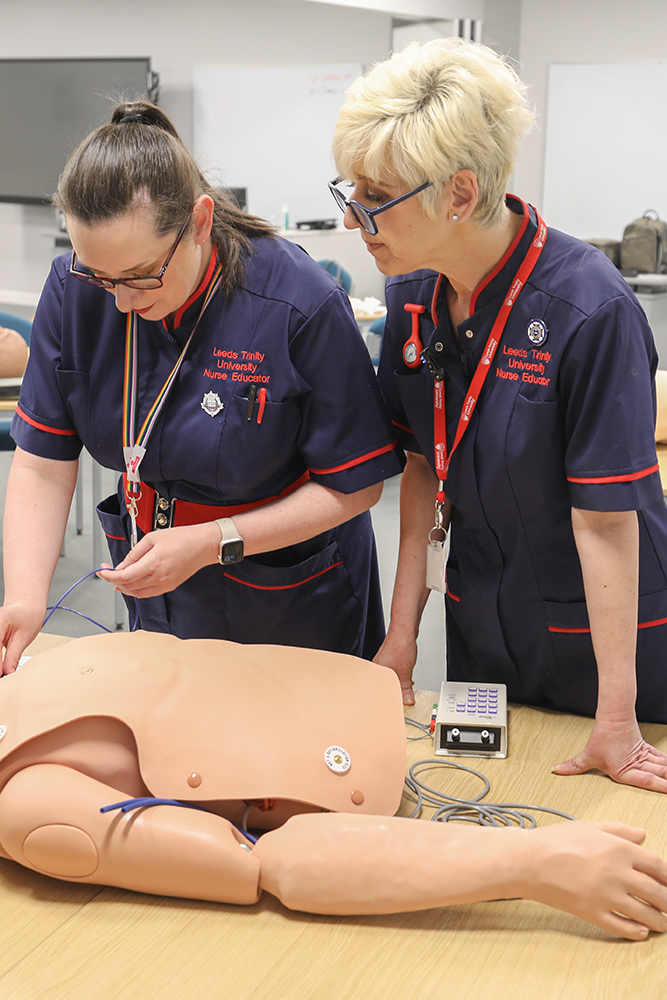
211,722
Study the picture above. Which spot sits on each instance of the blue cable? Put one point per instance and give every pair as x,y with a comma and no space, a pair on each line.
128,804
58,603
73,611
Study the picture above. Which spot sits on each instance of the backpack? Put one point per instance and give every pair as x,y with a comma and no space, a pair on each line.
644,245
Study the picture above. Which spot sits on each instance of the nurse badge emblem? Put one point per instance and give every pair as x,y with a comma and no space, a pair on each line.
212,404
537,332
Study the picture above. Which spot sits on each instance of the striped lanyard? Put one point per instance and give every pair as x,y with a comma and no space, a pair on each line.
134,445
442,457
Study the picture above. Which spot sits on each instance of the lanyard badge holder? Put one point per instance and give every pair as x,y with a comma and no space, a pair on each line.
437,549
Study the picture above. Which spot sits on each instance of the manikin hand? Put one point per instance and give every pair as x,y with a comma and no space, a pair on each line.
599,872
19,624
617,748
162,560
400,655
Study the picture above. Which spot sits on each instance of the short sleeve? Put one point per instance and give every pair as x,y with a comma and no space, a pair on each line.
608,396
43,424
346,437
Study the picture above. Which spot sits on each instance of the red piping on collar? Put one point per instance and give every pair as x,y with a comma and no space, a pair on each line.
491,275
195,295
501,263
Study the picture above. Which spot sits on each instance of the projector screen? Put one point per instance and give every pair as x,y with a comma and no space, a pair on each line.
48,106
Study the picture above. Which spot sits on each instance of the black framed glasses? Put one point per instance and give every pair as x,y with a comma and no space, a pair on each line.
363,215
141,281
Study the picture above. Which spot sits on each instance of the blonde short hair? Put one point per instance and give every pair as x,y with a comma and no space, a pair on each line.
430,111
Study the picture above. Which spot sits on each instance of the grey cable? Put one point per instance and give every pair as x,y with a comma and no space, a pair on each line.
468,810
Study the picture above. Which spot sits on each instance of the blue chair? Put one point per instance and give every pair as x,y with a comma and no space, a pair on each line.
377,329
338,273
18,323
24,327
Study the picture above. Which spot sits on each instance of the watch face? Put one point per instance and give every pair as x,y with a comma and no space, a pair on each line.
232,551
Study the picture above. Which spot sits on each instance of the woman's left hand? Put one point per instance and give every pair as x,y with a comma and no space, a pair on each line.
618,749
162,560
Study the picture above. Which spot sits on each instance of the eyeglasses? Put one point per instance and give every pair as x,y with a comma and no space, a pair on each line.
142,281
363,215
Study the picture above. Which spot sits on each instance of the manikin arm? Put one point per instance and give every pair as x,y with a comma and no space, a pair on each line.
329,862
50,821
337,863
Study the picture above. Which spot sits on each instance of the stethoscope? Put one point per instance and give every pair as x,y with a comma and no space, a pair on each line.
413,347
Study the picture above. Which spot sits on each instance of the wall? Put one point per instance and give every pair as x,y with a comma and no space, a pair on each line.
259,32
288,32
586,31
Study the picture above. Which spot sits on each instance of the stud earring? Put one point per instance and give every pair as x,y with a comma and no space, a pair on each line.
455,218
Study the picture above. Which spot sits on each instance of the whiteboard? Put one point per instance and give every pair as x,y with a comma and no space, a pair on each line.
606,146
269,129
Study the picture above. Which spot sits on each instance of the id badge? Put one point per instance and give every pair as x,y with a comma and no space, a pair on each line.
437,551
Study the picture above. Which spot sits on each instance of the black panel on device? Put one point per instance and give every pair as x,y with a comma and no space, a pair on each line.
469,738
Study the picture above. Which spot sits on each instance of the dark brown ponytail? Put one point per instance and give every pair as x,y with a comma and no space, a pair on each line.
139,157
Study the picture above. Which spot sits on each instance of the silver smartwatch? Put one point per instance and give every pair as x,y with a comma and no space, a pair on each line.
231,543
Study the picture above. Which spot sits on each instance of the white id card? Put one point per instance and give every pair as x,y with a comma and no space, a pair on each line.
437,551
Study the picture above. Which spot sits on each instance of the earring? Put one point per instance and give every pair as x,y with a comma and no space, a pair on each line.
455,218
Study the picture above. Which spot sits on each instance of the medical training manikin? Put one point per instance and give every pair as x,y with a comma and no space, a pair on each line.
306,745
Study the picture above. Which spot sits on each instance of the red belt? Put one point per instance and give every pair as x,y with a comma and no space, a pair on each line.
155,511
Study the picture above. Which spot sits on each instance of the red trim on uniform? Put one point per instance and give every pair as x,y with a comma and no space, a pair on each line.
501,263
653,624
285,586
630,477
42,427
115,538
491,275
195,295
402,427
453,596
434,300
658,621
357,461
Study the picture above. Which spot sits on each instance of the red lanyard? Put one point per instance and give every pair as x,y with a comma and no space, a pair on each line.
442,458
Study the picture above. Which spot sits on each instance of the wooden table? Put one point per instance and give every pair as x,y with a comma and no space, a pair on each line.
83,942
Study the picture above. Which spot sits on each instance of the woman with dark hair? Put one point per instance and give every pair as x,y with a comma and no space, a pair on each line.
220,369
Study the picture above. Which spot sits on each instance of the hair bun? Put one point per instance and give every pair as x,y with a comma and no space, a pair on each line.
142,113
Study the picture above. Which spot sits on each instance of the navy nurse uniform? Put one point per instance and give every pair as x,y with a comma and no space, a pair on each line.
565,419
276,387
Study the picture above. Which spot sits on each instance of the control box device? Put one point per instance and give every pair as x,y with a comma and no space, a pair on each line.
471,720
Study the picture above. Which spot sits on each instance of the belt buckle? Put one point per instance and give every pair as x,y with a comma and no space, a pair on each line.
163,512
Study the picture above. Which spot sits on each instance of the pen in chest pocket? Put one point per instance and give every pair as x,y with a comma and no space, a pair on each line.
253,396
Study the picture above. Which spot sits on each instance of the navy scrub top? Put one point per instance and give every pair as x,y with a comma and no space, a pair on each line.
565,419
288,330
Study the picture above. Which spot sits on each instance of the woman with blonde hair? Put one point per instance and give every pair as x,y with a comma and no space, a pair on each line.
518,369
